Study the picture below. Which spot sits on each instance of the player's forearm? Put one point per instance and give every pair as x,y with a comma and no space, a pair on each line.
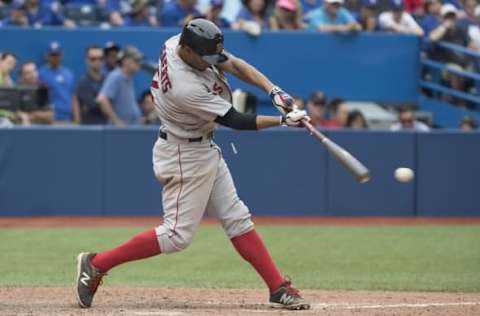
268,121
246,72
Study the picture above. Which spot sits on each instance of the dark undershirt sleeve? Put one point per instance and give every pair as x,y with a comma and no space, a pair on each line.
237,120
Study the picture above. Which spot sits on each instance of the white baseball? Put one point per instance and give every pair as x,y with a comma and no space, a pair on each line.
404,174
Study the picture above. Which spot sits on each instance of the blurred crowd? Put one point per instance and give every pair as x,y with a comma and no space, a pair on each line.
105,93
420,17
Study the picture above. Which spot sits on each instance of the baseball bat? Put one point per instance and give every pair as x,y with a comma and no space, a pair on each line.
344,157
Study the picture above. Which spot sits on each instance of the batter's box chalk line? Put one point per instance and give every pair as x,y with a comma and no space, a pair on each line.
348,306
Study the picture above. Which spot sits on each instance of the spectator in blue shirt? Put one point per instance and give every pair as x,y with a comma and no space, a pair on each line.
17,17
178,12
213,14
60,83
368,16
116,10
117,96
41,14
140,15
110,52
433,16
332,17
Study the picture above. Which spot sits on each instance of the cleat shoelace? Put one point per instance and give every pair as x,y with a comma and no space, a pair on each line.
96,282
290,289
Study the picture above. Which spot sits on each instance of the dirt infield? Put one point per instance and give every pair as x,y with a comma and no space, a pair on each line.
173,302
113,221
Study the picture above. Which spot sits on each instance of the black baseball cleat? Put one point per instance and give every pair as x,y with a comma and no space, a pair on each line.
288,297
88,279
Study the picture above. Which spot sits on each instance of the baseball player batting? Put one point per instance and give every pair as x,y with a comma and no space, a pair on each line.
191,96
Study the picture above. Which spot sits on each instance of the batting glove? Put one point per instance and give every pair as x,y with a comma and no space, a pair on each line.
282,100
294,118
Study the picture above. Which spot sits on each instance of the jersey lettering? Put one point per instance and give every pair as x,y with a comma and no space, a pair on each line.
217,89
164,80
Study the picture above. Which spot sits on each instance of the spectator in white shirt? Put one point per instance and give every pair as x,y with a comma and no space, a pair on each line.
398,20
408,121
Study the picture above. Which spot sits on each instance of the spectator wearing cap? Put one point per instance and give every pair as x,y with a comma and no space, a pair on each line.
42,112
213,14
117,95
468,124
177,13
116,10
433,16
110,53
449,31
140,15
17,16
60,83
332,17
252,17
398,20
8,61
367,17
316,107
41,14
88,87
356,120
287,15
408,121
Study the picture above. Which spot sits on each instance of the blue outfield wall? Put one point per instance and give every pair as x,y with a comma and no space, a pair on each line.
381,67
108,171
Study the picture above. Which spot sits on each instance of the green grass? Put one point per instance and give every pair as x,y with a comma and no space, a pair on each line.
371,258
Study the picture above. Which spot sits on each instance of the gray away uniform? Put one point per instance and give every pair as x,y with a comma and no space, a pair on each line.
194,175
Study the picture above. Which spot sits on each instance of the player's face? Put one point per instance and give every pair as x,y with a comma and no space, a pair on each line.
196,61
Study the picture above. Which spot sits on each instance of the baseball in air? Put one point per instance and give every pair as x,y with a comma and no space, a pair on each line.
404,174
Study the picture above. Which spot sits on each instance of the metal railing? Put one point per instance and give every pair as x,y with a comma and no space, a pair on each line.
436,86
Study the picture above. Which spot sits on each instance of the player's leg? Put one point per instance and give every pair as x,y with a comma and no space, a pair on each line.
226,206
185,192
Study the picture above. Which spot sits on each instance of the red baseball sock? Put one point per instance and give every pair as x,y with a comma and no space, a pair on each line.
141,246
251,247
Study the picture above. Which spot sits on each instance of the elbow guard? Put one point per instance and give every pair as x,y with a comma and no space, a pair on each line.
237,120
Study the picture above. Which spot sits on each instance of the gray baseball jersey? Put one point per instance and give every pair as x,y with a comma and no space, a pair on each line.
194,175
188,100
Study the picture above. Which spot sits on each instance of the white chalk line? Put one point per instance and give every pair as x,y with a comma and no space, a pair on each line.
386,306
315,306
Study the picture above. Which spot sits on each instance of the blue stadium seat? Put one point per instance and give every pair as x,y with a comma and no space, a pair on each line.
85,15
